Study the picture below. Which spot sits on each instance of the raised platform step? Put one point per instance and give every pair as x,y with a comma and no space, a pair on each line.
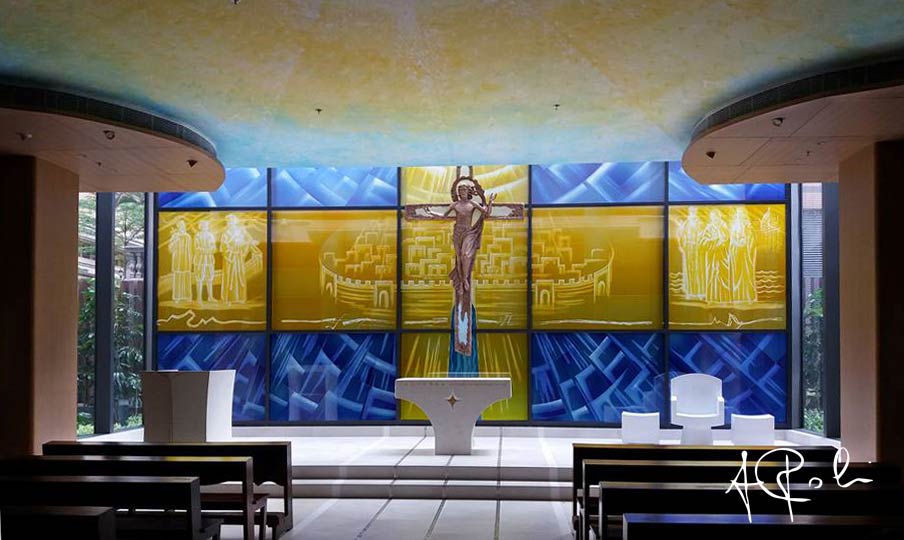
433,489
432,472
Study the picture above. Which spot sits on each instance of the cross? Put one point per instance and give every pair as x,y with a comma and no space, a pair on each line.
468,229
452,400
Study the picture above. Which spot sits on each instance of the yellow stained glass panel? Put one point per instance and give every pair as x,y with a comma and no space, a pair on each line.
334,269
432,185
727,267
499,280
597,267
499,355
212,271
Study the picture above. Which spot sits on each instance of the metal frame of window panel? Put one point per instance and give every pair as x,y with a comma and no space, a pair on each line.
103,305
832,312
150,282
795,270
529,331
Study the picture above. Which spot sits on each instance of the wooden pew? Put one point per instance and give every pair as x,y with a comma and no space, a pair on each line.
272,463
87,522
630,452
773,527
614,470
208,470
619,498
147,492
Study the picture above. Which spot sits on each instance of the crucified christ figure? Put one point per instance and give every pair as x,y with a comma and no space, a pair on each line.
469,218
470,208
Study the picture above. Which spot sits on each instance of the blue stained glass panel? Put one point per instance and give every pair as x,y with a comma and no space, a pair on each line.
752,366
595,376
575,183
325,377
203,352
333,186
242,187
682,188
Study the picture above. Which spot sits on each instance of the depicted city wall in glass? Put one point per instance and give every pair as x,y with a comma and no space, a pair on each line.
592,284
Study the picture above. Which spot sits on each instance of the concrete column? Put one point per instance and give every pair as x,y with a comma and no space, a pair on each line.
871,268
39,313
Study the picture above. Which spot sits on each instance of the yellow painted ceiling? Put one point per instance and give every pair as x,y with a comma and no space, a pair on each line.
436,82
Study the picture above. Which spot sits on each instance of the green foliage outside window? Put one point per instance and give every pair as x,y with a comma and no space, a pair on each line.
813,361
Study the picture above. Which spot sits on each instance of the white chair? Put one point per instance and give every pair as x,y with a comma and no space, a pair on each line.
753,429
697,406
640,428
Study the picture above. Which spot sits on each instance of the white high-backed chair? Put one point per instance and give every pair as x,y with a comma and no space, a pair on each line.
697,406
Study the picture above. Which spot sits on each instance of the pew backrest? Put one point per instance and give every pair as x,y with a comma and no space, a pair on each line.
272,460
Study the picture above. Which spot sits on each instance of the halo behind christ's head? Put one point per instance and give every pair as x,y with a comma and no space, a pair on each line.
466,179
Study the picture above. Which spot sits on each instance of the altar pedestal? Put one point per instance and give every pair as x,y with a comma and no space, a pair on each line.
453,405
187,406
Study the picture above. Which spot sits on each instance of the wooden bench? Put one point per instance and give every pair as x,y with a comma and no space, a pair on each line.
631,452
614,470
773,527
88,522
179,494
208,470
619,498
272,462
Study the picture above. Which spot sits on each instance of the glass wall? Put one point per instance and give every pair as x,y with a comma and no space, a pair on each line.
593,284
87,261
128,308
813,331
111,333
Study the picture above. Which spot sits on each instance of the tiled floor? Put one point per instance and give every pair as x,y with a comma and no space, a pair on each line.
411,519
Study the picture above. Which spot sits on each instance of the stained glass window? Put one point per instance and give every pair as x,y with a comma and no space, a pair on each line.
594,377
582,183
499,355
360,288
324,377
334,269
423,185
212,271
727,267
597,267
243,352
241,188
682,188
335,186
751,366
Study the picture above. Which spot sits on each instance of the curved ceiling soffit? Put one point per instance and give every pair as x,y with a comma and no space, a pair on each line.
799,131
110,146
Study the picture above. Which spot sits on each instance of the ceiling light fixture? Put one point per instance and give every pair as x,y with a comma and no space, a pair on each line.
778,121
109,134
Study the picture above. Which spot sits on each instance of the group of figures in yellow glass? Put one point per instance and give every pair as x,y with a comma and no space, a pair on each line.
730,266
193,262
718,258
